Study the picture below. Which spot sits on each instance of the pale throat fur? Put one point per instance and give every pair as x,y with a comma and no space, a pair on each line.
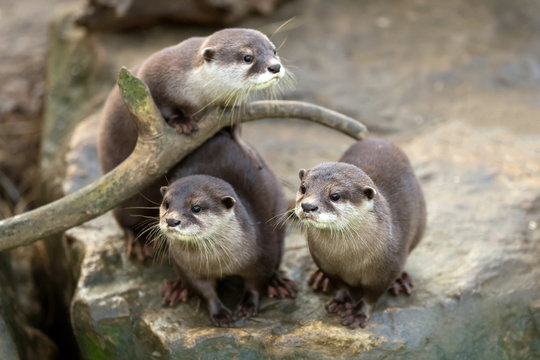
212,249
354,234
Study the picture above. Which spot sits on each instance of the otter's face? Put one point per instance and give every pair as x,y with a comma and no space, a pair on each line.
241,60
332,195
194,210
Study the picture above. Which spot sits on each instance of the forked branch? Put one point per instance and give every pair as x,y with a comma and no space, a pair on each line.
159,148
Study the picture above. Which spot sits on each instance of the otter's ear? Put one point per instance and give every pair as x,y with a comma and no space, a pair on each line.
208,54
302,173
369,192
228,201
163,190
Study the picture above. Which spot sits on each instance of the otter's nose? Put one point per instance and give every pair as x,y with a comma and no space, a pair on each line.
309,207
172,222
274,68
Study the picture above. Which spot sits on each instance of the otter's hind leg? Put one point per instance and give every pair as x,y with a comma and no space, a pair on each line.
220,315
249,305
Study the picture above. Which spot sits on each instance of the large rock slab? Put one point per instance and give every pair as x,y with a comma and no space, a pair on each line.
476,271
109,15
399,67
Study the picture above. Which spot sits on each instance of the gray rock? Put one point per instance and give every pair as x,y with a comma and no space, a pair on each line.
9,331
19,339
109,15
476,272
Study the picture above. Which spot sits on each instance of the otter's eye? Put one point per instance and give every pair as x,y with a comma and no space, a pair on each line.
275,52
196,209
334,197
303,189
248,59
166,204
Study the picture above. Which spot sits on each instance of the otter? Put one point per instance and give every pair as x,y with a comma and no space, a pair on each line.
363,216
219,70
216,217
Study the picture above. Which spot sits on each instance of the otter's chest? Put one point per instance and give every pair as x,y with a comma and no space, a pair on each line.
214,261
352,260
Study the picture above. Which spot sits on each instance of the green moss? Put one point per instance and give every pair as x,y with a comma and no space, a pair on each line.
133,90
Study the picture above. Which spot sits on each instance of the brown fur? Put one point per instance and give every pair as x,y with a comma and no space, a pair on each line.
384,206
180,89
226,171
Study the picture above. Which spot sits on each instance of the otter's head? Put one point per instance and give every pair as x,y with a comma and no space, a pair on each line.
196,207
332,195
238,61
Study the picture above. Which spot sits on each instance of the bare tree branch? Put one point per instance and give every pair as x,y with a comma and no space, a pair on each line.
158,149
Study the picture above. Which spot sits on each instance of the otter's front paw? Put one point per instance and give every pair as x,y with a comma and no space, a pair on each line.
355,315
337,306
222,317
182,124
319,281
281,287
249,305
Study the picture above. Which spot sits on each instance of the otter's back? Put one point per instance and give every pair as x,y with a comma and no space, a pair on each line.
392,173
259,189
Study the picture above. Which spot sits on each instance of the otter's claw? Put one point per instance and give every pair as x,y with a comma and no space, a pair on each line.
223,317
281,287
337,306
249,305
182,125
402,284
319,281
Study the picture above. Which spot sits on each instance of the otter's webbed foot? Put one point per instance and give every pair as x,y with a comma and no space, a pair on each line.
182,124
221,316
138,247
338,306
402,284
281,287
173,292
319,281
355,315
249,305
